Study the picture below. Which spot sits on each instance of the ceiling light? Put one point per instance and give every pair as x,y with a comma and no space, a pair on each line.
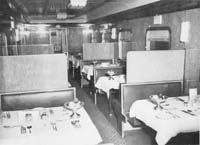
77,4
12,24
85,25
61,15
87,31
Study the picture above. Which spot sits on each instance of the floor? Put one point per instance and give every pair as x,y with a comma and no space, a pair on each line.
143,136
136,137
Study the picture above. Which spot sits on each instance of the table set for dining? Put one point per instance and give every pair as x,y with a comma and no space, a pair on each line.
173,116
48,126
89,69
106,83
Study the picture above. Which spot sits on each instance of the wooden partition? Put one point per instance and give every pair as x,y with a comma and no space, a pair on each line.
133,92
155,66
35,49
3,50
150,72
124,47
192,70
3,45
33,73
100,51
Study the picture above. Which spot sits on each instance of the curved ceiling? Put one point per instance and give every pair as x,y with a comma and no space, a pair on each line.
96,11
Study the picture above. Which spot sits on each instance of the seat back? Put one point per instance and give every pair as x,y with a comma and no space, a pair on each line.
33,73
132,92
29,100
29,81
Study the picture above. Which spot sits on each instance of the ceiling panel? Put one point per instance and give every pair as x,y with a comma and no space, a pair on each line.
156,8
52,7
96,11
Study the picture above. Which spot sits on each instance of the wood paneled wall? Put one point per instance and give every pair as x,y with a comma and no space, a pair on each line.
37,38
125,47
192,69
35,49
100,51
75,39
173,20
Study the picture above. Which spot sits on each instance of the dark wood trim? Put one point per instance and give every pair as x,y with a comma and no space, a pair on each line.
161,7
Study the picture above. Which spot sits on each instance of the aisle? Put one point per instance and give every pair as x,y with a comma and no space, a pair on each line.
106,130
107,125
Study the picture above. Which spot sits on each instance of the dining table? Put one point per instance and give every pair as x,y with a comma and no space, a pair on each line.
88,70
47,126
173,116
106,83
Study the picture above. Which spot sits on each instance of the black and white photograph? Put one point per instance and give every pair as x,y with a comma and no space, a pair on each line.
99,72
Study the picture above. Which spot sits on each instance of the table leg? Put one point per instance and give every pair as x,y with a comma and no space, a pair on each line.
109,105
95,96
73,70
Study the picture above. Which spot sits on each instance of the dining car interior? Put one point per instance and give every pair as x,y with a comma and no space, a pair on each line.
99,72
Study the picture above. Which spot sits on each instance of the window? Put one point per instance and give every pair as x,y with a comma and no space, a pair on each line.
158,38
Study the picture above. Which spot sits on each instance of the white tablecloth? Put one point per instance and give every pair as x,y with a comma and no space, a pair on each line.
89,70
75,61
170,121
43,133
106,83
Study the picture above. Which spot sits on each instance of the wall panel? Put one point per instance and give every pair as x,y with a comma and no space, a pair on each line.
155,66
32,72
97,51
173,20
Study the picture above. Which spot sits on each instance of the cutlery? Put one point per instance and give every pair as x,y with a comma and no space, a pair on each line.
174,115
165,104
76,123
181,100
54,126
188,112
23,129
10,126
29,127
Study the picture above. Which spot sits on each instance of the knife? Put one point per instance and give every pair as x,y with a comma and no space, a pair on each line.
181,100
188,112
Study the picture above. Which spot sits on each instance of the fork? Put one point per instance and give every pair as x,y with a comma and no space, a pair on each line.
174,115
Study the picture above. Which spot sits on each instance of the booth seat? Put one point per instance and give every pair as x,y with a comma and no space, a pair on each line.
122,100
29,81
34,99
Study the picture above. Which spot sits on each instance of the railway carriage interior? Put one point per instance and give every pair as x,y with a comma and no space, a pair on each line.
99,72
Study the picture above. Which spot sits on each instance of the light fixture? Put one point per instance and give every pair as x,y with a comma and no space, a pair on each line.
12,24
77,4
114,33
85,25
61,16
